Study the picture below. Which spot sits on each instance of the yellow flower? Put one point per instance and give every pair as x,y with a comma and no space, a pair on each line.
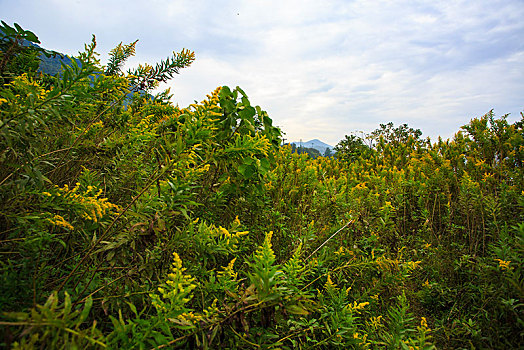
224,231
412,265
503,264
61,222
424,324
356,307
330,285
375,321
236,221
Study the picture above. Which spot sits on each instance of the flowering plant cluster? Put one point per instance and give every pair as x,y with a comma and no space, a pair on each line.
129,222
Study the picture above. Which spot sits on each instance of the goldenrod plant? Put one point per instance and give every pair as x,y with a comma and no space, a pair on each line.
129,222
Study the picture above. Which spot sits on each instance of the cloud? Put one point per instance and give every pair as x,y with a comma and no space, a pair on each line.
320,69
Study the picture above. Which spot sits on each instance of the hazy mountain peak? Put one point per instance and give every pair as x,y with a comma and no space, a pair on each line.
315,143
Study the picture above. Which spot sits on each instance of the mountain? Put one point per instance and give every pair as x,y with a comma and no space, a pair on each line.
52,63
316,144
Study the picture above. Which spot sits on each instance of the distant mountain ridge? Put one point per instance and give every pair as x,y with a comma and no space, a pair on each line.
316,144
53,64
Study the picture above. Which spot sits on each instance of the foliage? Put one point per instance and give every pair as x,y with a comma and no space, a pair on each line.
129,222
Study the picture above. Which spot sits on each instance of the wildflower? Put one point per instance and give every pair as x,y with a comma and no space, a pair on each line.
412,265
425,284
424,325
224,231
330,285
58,220
236,222
340,251
376,321
356,307
503,264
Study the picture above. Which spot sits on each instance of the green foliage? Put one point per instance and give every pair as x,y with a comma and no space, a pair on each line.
58,326
17,57
351,148
160,227
146,77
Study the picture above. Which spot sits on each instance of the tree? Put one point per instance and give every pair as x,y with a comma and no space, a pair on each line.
391,135
350,148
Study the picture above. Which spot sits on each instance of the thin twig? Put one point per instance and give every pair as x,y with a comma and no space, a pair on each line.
333,235
99,289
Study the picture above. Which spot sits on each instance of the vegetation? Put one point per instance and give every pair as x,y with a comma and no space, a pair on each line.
128,222
312,152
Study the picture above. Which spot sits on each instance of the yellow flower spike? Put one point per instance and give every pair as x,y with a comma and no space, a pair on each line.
504,264
236,221
224,231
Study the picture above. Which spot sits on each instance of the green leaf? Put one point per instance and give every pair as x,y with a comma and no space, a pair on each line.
246,171
8,30
247,113
18,28
241,91
225,91
296,310
67,304
264,165
85,312
132,307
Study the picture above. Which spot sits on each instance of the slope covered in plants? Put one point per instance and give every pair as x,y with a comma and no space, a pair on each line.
135,223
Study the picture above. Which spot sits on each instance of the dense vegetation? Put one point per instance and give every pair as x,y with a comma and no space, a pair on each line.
128,222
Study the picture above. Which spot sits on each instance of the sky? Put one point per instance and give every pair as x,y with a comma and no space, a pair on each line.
321,69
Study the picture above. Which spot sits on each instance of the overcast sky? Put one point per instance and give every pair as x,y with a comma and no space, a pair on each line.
321,69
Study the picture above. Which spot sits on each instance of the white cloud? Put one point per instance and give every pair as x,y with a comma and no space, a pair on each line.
320,69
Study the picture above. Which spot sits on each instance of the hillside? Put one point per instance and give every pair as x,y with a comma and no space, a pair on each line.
139,224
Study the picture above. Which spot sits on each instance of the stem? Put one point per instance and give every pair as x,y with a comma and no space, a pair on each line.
333,235
88,253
